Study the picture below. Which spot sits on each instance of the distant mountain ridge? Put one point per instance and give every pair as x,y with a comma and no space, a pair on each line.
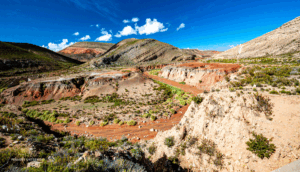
85,51
140,51
285,39
17,58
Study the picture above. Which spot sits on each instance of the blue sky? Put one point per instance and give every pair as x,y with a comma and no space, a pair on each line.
205,25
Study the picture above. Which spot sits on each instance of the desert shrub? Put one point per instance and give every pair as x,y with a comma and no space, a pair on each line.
136,153
92,122
104,123
67,120
200,81
263,104
197,99
261,146
273,92
152,149
169,141
218,161
92,99
254,89
131,123
75,98
116,121
146,115
47,101
172,111
154,72
121,123
227,78
99,144
30,103
182,102
182,82
153,118
78,123
208,147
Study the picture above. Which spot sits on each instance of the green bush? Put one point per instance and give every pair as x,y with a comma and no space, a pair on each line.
146,115
131,123
273,92
154,72
169,141
78,123
172,111
101,145
121,123
261,146
28,103
182,82
102,124
197,99
153,118
116,121
152,149
208,147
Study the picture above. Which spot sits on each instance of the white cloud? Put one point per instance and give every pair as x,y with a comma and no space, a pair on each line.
91,25
151,27
86,37
182,25
128,30
97,25
105,37
126,21
76,33
231,46
135,19
58,47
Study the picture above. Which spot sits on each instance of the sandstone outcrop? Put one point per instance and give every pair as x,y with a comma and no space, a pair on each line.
201,75
285,39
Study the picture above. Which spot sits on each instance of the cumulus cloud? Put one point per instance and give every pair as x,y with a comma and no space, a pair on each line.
182,25
135,19
97,25
76,33
126,21
231,46
58,47
151,27
86,37
105,36
128,30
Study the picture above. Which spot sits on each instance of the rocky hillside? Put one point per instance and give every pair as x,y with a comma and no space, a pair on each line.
285,39
213,135
199,53
17,58
84,51
141,51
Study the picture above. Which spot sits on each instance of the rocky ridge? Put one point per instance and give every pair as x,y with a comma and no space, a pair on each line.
85,51
143,51
285,39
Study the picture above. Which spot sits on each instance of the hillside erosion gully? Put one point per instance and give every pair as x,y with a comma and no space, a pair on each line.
77,85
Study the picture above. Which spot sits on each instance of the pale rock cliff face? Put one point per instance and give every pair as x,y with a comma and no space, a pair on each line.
284,39
202,77
228,120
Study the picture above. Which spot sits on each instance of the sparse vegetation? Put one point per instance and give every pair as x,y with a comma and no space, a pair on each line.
169,141
261,146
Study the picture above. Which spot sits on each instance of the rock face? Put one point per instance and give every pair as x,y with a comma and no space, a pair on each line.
228,120
201,75
143,51
284,39
55,88
85,51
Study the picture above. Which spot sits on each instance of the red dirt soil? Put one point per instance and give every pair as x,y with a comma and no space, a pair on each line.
115,131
